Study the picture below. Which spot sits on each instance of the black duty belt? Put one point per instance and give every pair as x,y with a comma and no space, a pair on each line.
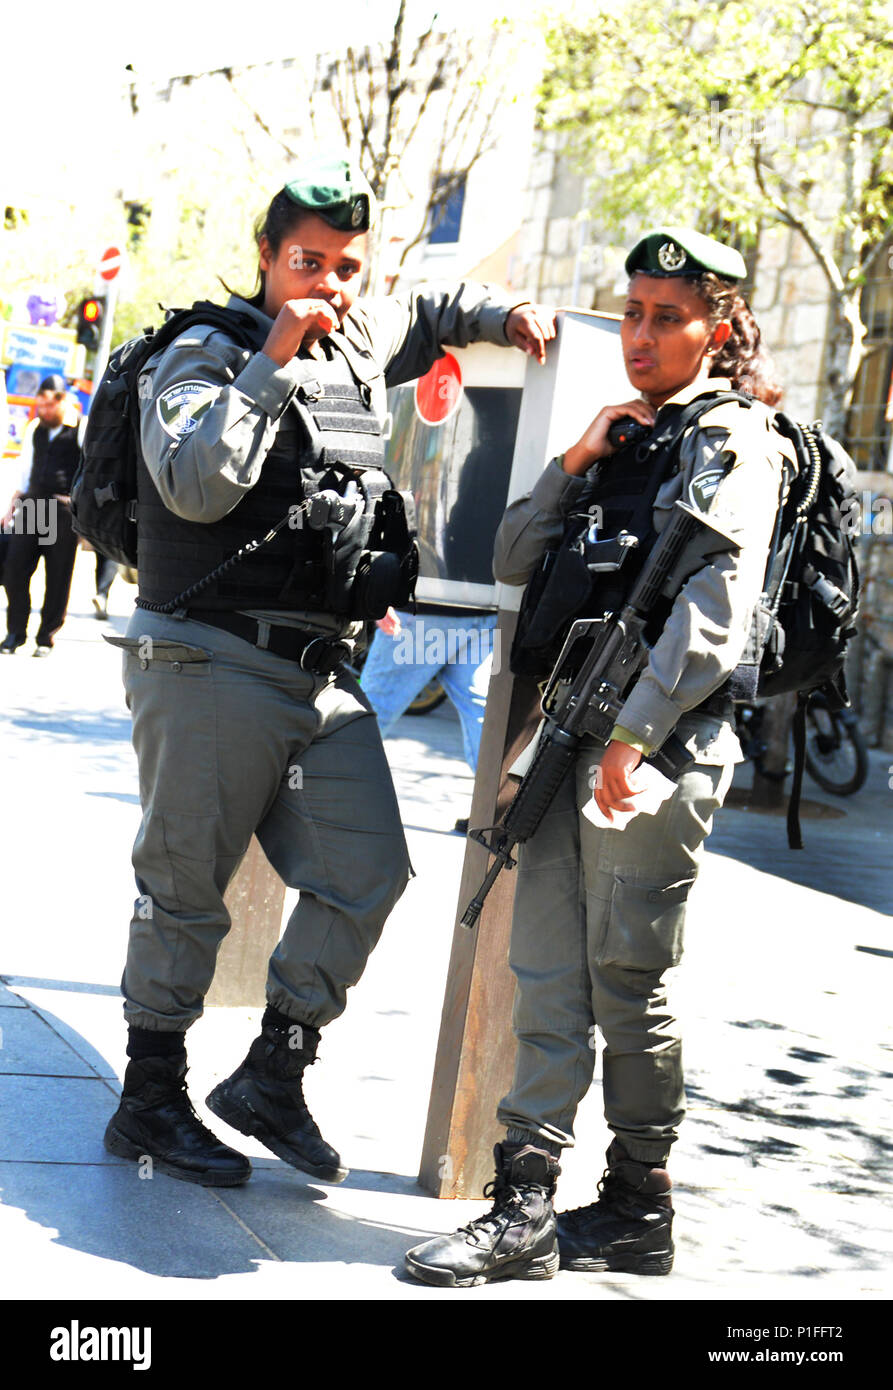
314,653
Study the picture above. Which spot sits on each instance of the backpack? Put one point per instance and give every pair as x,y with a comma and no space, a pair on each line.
104,489
806,615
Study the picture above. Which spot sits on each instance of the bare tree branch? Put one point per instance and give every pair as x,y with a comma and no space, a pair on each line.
227,73
877,250
828,265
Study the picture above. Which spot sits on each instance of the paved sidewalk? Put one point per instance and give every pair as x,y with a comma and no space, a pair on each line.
783,1168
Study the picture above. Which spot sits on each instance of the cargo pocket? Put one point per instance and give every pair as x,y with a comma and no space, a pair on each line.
645,929
159,658
172,657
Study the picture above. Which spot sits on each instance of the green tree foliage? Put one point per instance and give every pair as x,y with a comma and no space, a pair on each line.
733,114
210,246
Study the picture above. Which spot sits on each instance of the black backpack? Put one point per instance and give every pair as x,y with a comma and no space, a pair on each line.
104,490
806,615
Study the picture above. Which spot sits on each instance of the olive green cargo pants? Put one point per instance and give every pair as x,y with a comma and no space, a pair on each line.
233,741
598,921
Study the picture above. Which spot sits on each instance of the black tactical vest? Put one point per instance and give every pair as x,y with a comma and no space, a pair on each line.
334,425
618,496
622,489
55,461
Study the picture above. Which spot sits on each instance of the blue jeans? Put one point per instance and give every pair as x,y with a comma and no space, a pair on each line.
455,648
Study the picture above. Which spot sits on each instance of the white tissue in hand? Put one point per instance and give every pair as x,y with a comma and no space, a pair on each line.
652,790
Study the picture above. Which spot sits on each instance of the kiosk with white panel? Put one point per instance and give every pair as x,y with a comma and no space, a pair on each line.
451,445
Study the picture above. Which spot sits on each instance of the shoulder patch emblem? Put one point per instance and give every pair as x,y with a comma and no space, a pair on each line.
181,407
702,489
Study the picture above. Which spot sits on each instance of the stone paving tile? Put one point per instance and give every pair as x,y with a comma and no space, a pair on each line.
30,1046
50,1119
161,1227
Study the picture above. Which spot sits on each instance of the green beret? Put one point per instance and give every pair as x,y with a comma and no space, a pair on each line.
336,191
672,251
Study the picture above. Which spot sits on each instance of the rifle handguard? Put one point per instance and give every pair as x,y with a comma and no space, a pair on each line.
554,759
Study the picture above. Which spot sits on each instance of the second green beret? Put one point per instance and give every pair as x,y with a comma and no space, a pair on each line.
672,251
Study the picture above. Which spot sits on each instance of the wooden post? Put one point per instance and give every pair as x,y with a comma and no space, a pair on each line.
255,899
475,1051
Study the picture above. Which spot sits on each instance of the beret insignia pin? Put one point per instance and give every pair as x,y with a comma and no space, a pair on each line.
671,257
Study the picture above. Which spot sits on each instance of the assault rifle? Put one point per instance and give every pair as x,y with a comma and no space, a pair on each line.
599,662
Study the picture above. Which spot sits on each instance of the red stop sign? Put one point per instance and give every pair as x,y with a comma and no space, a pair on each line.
439,391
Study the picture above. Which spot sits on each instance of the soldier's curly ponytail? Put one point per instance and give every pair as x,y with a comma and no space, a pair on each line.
743,358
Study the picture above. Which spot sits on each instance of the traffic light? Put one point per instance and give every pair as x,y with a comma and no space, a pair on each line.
89,321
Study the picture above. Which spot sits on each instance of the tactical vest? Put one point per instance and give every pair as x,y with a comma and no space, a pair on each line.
588,575
617,489
333,429
55,461
618,496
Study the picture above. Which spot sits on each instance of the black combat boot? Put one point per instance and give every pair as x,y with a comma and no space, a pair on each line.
516,1238
629,1228
156,1120
264,1097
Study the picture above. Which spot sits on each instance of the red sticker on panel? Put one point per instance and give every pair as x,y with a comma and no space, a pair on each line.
439,391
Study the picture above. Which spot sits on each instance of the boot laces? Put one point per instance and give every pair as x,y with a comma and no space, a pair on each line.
179,1101
614,1195
508,1208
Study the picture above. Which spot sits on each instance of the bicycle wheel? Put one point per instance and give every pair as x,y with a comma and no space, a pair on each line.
836,753
427,699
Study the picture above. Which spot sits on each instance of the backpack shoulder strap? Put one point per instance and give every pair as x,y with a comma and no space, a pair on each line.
795,837
679,419
242,328
664,442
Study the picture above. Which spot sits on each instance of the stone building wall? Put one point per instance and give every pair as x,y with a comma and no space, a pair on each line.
790,303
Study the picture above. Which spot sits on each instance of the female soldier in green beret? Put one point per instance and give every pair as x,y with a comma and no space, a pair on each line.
599,911
244,719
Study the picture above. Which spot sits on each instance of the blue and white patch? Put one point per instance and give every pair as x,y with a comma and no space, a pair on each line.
702,489
181,407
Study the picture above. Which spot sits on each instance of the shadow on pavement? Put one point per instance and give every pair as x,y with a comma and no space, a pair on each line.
845,855
55,1169
800,1151
86,728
